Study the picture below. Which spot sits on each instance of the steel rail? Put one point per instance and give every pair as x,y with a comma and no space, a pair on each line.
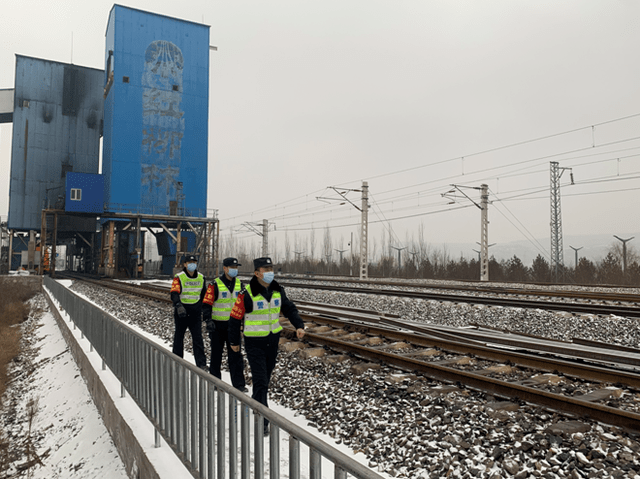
563,366
568,405
625,311
476,286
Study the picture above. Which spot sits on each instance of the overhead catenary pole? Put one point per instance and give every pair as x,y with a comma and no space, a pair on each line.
484,223
484,233
364,232
556,217
576,251
624,252
265,238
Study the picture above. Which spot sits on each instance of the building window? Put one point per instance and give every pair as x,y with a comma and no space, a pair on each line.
76,194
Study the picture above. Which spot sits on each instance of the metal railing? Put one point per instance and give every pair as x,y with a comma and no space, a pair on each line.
196,413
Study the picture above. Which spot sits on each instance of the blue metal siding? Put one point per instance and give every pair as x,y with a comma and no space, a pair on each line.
92,197
156,124
53,133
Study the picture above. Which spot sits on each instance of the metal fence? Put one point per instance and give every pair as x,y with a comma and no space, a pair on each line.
196,413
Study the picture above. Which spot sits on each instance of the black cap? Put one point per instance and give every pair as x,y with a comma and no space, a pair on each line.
189,257
230,262
260,262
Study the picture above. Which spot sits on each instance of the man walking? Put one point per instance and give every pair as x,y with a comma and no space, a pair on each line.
258,308
216,309
187,293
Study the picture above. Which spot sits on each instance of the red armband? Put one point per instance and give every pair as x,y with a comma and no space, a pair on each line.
208,296
238,308
175,286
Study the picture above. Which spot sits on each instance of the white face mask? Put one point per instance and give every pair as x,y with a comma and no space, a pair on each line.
233,272
191,267
267,277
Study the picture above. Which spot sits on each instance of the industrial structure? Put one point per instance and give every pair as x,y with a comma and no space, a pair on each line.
150,106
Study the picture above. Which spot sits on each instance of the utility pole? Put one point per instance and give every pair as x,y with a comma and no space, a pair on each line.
364,224
364,233
265,238
264,232
576,251
341,251
399,258
624,252
351,256
484,223
556,216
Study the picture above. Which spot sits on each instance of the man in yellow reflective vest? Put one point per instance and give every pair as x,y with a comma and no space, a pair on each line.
187,293
216,309
257,310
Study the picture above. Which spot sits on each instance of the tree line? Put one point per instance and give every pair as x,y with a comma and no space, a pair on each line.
420,260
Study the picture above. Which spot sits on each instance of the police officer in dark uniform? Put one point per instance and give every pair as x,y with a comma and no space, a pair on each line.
257,310
187,293
216,309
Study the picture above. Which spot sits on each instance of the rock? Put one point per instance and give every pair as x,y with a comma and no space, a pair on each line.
567,428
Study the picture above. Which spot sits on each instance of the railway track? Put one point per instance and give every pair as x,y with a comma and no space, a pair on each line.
631,309
509,366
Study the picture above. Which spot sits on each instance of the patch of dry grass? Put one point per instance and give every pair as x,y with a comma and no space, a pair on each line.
13,311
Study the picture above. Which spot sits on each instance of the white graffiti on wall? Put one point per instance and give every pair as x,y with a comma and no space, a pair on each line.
163,123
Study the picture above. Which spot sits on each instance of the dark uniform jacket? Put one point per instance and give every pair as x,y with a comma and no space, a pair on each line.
176,289
244,305
212,295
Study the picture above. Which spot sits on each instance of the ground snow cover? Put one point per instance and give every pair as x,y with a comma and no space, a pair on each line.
68,434
80,445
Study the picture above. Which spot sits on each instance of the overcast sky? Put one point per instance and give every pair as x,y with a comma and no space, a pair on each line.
305,95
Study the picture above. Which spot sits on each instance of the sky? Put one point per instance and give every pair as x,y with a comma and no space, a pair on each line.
409,96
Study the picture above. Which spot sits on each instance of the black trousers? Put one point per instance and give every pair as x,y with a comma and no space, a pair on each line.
219,338
262,353
193,322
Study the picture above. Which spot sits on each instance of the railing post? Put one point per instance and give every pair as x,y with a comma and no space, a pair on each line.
315,464
294,458
221,434
258,446
233,437
245,438
274,452
211,431
193,416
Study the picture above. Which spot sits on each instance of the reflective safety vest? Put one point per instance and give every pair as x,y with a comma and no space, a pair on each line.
191,288
264,317
221,309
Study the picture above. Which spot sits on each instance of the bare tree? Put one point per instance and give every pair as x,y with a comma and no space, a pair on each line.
312,244
327,245
287,247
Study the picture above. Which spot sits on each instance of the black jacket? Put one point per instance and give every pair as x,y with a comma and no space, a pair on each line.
213,288
244,305
175,295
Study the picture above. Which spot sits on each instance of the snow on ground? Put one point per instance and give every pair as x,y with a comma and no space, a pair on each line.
69,434
67,431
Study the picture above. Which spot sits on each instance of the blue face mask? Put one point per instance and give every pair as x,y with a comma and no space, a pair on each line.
191,267
233,272
267,277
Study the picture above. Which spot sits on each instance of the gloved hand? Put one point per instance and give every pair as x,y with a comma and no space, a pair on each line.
211,327
182,313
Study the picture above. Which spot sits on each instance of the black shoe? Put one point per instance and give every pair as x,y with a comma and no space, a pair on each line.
266,429
244,389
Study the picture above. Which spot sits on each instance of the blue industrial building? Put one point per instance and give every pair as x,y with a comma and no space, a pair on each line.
155,114
57,122
150,105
